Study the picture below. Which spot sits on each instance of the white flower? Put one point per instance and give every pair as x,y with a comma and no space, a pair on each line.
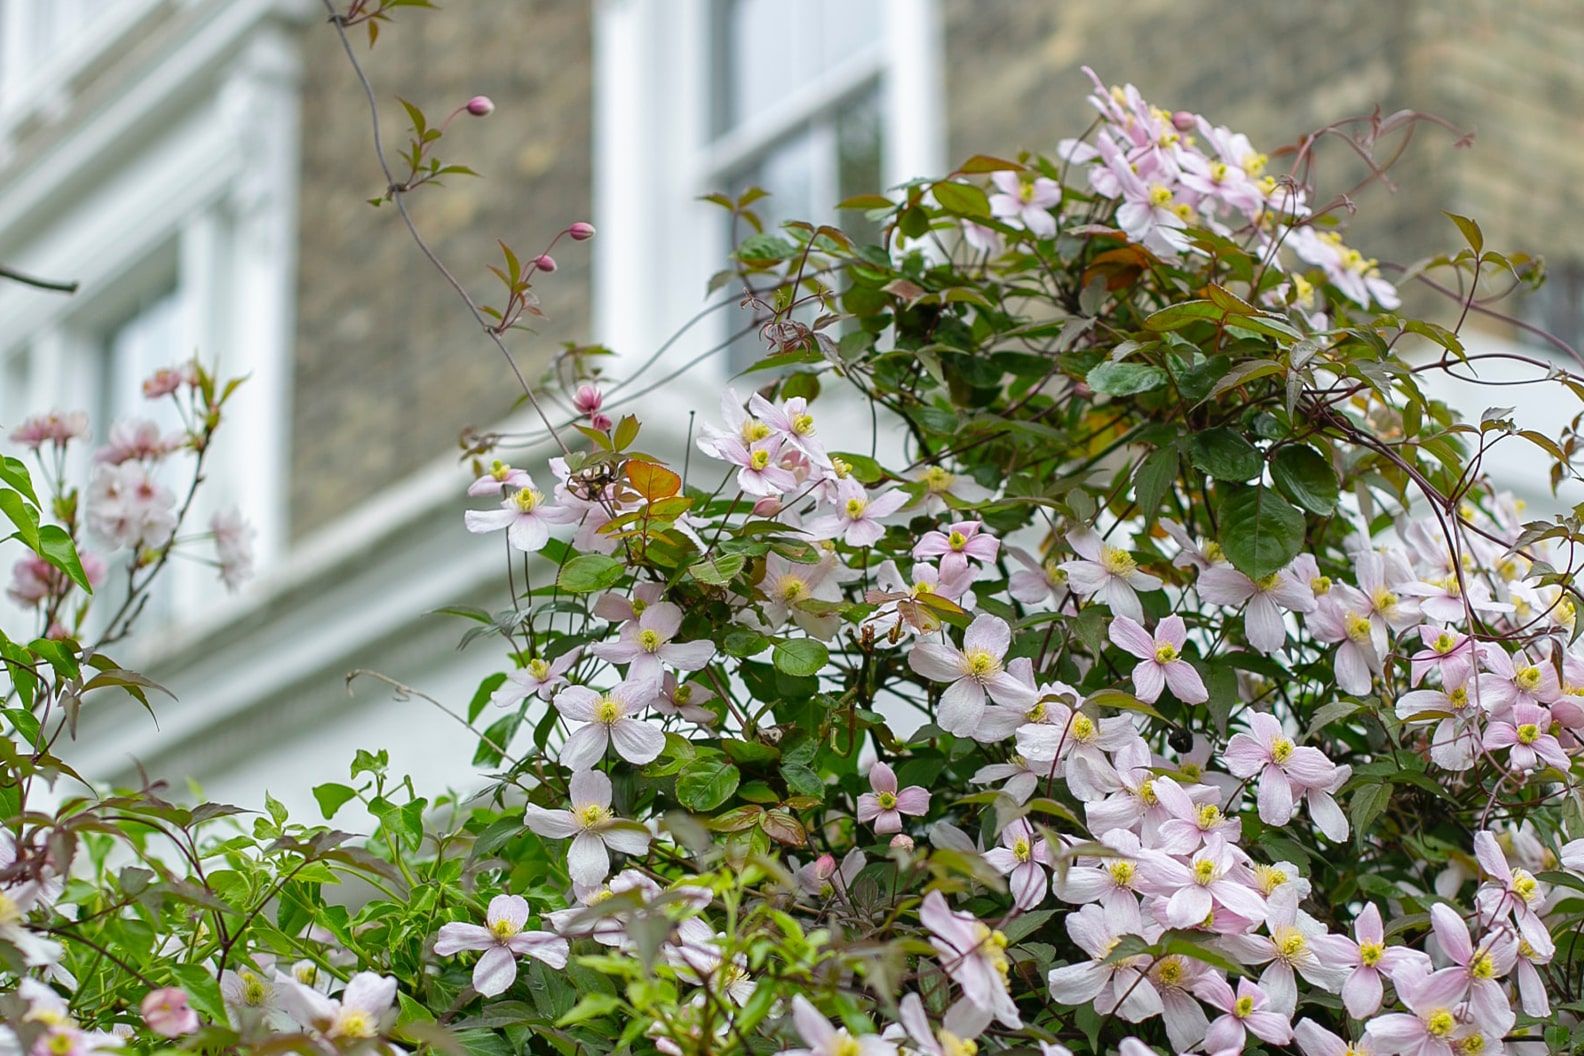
591,825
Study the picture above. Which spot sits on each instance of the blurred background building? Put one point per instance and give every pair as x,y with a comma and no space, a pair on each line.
201,167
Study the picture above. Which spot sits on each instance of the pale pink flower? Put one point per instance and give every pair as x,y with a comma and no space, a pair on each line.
1447,652
57,427
1120,985
526,517
233,542
1026,200
1078,743
1036,582
1242,1014
1509,891
1370,960
609,719
646,643
941,483
497,479
538,678
1264,601
1315,1040
1430,1027
137,439
857,515
885,805
128,507
1285,769
973,955
361,1013
793,422
503,940
1455,738
167,1012
823,1039
1105,879
619,608
1106,571
1294,944
1528,738
974,671
960,543
1479,971
1160,659
1024,860
1214,879
685,699
1342,618
1191,822
759,469
592,827
957,1028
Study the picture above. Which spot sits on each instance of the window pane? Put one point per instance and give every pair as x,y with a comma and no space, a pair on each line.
767,49
141,344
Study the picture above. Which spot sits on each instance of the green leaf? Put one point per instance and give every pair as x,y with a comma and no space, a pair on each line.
1224,455
802,657
1153,480
587,573
705,784
1369,802
590,1006
202,990
866,469
15,473
56,547
22,515
332,797
964,199
1303,475
1329,713
717,571
1471,231
1125,379
765,249
1260,532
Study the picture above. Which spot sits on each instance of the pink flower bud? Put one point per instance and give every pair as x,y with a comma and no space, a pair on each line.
825,867
581,231
768,506
167,1013
545,262
1183,121
602,422
481,106
588,398
902,842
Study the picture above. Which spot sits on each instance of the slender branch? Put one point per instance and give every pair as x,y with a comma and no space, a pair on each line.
57,285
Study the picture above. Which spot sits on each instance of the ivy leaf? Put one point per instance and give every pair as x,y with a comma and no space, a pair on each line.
332,797
801,657
587,573
1224,455
1125,379
1303,475
705,784
1260,531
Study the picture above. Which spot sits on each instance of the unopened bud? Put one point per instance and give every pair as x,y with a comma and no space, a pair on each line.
481,106
1182,121
602,422
825,867
768,506
588,398
581,231
901,842
545,262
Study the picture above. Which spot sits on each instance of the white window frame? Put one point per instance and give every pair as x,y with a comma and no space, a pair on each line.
192,171
656,153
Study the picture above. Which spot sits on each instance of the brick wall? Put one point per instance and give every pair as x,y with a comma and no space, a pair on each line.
389,366
1510,72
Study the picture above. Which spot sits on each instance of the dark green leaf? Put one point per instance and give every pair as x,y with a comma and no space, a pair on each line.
1303,475
1260,531
1224,455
